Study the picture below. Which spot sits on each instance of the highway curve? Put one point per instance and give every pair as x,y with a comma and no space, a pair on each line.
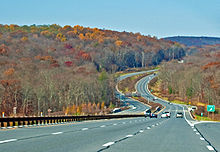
133,134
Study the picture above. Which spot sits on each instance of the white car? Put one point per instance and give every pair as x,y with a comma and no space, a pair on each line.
179,115
155,98
165,114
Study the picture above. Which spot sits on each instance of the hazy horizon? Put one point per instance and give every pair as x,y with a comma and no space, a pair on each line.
153,17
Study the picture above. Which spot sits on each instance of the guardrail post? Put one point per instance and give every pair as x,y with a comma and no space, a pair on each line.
13,122
23,123
28,122
2,124
19,123
8,123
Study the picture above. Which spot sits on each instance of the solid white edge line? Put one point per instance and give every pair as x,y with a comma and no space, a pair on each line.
210,148
6,141
108,144
56,133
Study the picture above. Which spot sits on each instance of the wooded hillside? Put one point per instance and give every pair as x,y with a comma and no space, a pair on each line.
194,41
196,81
67,68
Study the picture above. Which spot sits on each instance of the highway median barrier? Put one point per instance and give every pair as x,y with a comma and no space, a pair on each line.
21,122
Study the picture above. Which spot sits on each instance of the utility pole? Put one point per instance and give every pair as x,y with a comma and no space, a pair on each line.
143,59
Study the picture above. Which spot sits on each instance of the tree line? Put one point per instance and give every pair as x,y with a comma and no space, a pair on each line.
52,67
197,80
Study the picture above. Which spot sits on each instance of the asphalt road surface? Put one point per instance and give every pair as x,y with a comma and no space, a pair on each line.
118,135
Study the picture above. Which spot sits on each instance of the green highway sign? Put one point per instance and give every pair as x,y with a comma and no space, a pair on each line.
211,108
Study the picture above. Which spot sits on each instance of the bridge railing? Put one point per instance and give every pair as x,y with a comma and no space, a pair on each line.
37,121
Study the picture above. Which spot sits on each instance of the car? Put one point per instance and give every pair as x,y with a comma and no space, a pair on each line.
179,115
116,110
147,113
153,115
155,98
165,114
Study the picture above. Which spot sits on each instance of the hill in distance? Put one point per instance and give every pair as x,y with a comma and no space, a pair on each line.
194,41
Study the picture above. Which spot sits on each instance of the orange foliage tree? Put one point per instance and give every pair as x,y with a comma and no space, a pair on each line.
118,43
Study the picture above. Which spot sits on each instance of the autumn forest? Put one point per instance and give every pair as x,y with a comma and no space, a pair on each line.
70,69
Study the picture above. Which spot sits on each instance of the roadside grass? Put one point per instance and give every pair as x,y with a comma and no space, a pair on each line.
197,117
178,102
128,84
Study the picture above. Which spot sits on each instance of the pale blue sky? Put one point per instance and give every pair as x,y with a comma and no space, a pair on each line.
159,18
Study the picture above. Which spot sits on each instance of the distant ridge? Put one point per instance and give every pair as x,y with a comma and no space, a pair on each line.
194,41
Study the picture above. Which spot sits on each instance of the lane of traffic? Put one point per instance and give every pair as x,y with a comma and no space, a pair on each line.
172,135
86,140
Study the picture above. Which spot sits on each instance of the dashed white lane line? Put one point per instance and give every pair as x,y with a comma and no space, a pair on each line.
57,133
129,135
210,148
6,141
115,124
202,138
102,126
85,128
108,144
123,122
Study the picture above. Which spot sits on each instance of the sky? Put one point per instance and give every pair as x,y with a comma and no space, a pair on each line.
160,18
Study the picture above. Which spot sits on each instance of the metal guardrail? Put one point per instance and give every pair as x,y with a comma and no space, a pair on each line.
28,121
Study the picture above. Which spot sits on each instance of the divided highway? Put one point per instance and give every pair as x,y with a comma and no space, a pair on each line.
134,134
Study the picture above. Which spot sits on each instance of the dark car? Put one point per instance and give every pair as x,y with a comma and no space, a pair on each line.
153,115
147,113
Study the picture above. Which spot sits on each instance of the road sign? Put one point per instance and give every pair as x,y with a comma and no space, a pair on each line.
211,108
